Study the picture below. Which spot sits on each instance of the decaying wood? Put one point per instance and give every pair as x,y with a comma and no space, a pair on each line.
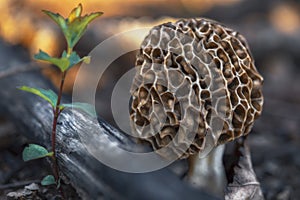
90,178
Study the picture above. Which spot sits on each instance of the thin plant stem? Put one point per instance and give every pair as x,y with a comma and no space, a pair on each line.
69,51
53,135
56,114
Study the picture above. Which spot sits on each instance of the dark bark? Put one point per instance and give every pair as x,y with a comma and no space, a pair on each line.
91,178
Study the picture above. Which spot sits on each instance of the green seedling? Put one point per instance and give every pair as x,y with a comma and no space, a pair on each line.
73,27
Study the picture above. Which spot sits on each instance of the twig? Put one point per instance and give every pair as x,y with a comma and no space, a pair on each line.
18,184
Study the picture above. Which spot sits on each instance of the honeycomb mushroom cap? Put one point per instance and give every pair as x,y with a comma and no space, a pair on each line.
193,76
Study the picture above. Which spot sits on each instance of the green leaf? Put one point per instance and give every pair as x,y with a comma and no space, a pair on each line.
48,180
65,62
86,107
77,28
75,59
34,151
86,59
57,18
75,25
48,95
62,63
76,12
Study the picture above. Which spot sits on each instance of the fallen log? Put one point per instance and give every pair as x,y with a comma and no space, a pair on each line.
92,179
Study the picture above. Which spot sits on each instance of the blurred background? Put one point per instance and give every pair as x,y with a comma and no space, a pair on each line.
272,28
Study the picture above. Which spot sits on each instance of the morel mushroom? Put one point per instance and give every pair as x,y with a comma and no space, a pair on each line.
197,87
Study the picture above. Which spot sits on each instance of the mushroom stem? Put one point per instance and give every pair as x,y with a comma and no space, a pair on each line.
208,173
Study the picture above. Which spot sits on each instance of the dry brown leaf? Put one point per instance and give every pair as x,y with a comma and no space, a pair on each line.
242,181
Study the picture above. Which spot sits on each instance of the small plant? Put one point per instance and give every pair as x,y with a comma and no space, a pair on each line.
73,28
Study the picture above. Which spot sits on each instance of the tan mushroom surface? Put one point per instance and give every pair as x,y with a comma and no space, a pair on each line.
194,78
